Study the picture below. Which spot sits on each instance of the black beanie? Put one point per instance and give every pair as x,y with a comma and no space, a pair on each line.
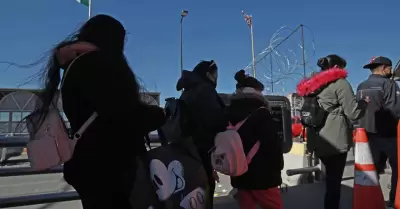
244,80
205,67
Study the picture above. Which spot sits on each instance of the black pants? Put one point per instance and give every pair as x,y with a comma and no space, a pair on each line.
386,148
105,191
211,182
334,167
381,163
97,200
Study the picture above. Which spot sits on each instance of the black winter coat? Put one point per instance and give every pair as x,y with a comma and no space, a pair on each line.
265,168
206,111
105,154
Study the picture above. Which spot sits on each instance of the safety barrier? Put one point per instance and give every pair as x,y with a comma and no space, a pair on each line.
297,171
313,166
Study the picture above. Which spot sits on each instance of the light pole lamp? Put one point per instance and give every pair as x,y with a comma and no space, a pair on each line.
184,13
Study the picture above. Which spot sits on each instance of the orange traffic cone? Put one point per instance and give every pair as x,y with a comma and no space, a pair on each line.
397,199
367,193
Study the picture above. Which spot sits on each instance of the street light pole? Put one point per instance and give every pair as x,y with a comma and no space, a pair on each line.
252,51
303,50
184,13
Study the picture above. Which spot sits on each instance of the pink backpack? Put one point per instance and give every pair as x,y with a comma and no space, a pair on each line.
49,144
228,156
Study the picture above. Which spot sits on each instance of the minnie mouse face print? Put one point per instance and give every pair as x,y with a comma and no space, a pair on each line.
167,181
194,200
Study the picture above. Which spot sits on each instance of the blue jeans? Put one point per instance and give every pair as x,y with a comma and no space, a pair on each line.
388,147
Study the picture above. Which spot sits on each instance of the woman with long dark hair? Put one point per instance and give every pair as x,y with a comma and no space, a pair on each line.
99,79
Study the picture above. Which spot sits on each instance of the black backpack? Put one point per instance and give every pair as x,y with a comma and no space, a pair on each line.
312,115
171,176
175,128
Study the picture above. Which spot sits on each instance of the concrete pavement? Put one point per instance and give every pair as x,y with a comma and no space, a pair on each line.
306,196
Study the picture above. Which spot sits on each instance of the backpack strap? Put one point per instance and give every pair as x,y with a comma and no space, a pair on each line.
85,125
90,120
239,124
69,67
253,152
147,139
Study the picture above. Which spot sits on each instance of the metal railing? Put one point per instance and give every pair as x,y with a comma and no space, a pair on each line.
13,141
13,162
314,166
25,171
36,199
297,171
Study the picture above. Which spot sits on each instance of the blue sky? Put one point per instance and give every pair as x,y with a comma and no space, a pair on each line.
212,30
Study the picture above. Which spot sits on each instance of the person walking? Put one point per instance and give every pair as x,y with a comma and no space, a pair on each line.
206,112
332,139
103,166
259,185
382,116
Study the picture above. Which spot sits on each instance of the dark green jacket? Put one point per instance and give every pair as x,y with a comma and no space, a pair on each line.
335,94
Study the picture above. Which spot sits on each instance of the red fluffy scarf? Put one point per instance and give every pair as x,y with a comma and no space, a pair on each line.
310,85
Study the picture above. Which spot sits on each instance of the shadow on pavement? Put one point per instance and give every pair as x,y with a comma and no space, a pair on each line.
306,196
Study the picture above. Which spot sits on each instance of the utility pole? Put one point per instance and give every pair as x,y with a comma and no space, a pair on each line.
271,74
184,13
303,49
249,21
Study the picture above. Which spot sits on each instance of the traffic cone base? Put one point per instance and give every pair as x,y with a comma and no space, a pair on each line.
369,201
367,193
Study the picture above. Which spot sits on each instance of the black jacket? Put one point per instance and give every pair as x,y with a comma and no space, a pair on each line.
383,111
265,168
107,149
206,110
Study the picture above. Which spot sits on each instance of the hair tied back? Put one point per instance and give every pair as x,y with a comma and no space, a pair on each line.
240,76
322,62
